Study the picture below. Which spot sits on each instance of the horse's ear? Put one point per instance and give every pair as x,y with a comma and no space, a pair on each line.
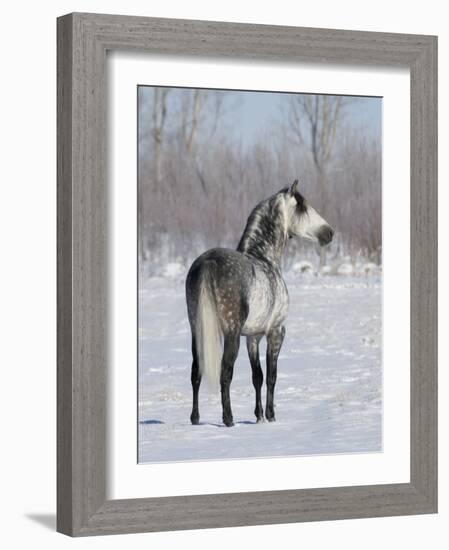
294,188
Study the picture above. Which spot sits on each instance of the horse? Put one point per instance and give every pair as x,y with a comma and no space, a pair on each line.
233,293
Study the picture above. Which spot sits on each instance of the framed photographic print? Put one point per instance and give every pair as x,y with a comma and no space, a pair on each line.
246,274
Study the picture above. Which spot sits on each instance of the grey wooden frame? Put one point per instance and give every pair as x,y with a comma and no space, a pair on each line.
83,40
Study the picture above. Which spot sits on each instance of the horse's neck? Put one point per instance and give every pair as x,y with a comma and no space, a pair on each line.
264,237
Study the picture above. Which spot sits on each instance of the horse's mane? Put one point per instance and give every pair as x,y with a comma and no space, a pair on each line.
264,236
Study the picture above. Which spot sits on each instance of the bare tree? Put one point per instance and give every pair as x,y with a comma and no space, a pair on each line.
191,106
313,121
217,112
159,117
156,109
200,113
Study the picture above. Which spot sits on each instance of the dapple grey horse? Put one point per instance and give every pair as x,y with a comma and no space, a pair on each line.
231,293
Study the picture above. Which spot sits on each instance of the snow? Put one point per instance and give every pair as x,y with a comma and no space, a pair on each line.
174,270
329,390
345,269
303,267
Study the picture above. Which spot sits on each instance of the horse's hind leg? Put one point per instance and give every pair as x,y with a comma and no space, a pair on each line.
230,352
196,381
252,344
274,342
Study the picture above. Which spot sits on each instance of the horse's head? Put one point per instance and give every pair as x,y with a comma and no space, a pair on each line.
302,220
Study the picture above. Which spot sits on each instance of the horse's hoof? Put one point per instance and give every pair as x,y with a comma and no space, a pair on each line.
260,419
195,420
228,423
271,418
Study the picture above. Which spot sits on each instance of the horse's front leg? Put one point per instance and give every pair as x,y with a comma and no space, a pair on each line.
230,352
252,344
274,342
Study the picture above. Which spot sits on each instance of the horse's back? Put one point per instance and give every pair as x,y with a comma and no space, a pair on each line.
225,264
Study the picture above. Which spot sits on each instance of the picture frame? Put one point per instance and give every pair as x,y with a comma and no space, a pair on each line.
82,505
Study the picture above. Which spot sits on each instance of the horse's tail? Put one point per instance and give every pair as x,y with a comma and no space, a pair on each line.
208,332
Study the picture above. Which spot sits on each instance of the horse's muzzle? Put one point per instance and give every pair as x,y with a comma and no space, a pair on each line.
325,234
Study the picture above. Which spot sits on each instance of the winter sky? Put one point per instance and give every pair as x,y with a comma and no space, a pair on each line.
249,114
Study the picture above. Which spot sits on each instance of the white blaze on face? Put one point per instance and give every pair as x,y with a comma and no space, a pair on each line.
303,224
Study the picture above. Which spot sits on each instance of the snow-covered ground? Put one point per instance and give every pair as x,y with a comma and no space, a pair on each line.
329,391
